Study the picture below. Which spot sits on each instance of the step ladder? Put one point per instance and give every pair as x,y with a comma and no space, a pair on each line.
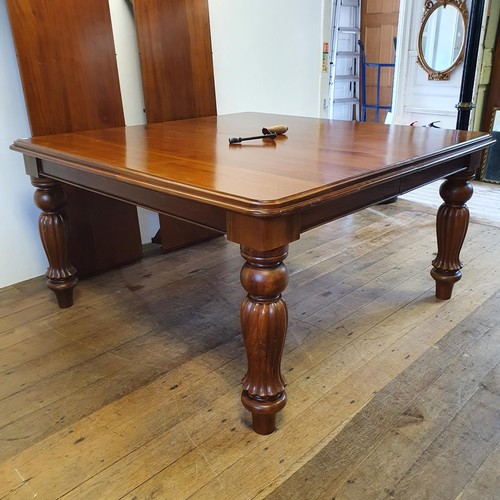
344,79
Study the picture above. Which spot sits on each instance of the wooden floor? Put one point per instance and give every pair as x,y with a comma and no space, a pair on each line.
134,392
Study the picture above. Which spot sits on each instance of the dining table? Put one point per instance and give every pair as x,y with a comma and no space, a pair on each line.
262,194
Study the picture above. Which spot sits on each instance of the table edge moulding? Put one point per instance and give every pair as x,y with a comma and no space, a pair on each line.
262,194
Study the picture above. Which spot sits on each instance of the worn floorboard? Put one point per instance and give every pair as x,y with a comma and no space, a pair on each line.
134,391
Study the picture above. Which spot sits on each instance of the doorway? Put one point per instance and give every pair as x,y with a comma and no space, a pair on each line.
379,27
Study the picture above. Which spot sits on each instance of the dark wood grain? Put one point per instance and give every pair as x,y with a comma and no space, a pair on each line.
264,322
178,82
318,160
67,62
51,200
322,169
176,58
451,227
68,66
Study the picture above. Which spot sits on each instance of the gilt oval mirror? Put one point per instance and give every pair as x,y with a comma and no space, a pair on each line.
441,39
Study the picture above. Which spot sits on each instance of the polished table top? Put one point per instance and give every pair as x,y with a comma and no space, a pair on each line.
262,193
314,161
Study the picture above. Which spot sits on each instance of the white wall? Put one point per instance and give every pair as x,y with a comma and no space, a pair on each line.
21,254
267,57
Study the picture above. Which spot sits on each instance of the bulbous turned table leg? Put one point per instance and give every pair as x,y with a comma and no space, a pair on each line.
451,226
264,321
50,199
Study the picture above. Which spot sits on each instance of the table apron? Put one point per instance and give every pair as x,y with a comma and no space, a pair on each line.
371,193
346,201
195,211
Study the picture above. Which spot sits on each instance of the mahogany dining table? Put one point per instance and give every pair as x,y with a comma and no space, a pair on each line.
262,194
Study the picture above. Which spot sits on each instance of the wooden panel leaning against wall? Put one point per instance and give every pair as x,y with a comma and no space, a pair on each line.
178,82
67,61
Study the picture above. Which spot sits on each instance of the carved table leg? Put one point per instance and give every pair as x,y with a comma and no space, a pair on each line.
451,225
264,321
51,200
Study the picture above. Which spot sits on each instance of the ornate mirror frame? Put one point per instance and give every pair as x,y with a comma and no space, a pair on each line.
431,6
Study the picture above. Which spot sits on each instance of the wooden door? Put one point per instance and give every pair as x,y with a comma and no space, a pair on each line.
379,26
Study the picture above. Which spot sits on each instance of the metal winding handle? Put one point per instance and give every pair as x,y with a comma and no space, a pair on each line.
236,140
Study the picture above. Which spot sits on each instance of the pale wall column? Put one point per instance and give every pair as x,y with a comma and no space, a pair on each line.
21,253
267,55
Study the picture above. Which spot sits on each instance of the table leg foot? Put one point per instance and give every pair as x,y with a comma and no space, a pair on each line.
444,283
263,411
54,233
264,321
451,227
63,291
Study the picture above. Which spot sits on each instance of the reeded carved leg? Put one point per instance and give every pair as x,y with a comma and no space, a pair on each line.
51,200
264,321
451,225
